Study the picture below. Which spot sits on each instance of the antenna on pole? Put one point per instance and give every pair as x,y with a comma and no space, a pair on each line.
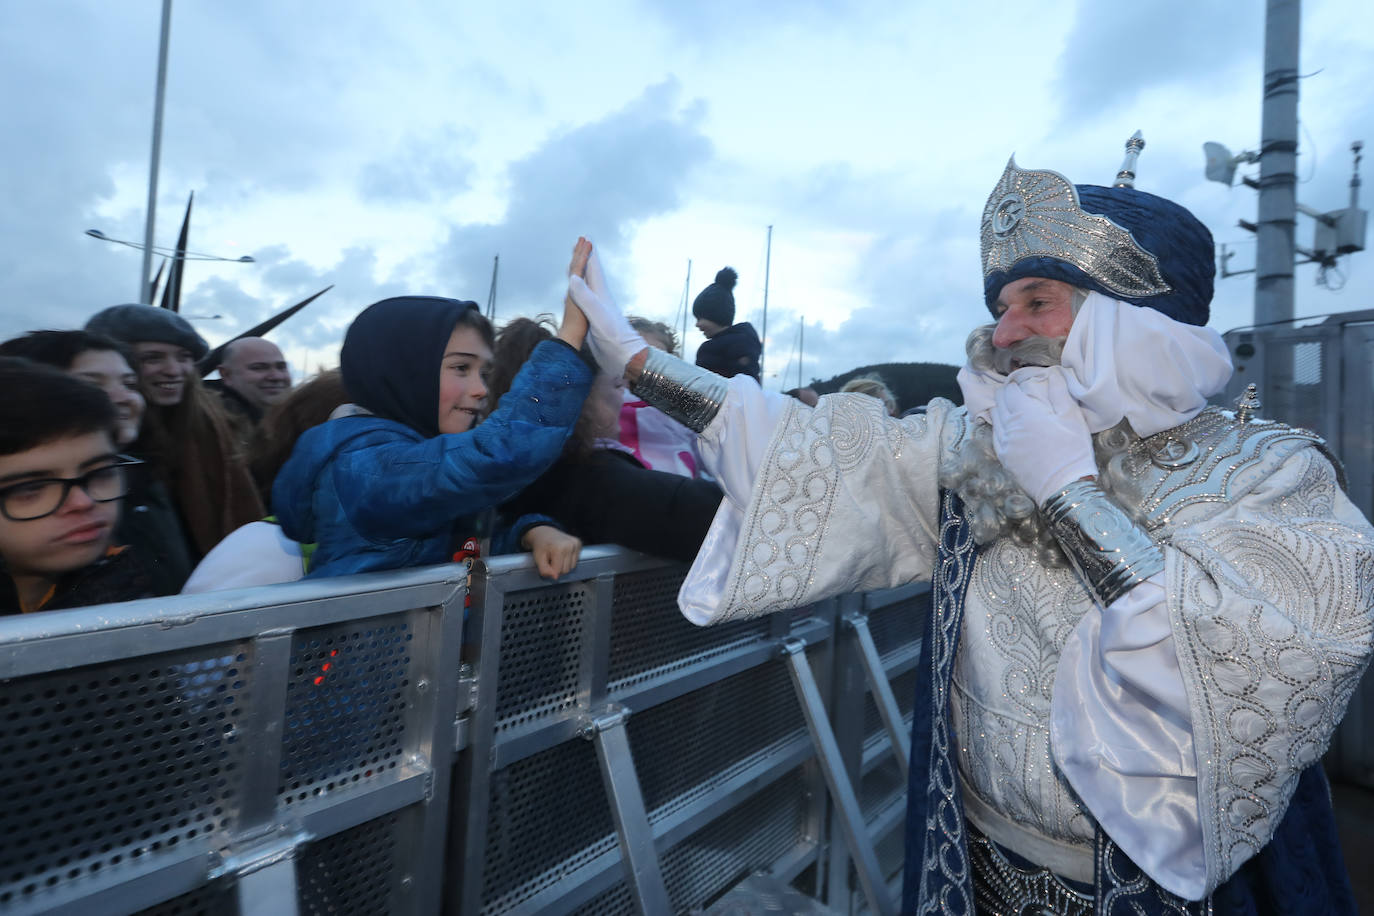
491,294
767,264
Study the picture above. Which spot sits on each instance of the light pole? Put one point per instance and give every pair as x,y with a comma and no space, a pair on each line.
145,281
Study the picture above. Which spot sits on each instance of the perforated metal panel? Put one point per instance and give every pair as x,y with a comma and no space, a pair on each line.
904,692
217,899
686,748
353,873
899,626
548,816
881,787
346,702
650,637
706,864
541,642
103,768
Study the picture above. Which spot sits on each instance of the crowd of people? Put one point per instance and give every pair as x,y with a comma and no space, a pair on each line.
1147,614
435,438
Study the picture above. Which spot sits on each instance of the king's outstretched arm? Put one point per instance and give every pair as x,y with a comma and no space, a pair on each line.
818,501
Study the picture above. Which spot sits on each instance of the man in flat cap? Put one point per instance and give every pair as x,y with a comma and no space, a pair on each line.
1148,614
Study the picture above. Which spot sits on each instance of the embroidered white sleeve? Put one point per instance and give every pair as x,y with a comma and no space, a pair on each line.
1271,603
845,499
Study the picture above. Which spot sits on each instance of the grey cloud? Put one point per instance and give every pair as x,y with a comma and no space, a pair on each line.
598,180
1115,51
709,22
423,169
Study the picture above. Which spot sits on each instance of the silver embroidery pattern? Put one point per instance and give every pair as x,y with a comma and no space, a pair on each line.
1034,214
1004,889
1231,459
786,526
948,855
1272,620
1018,617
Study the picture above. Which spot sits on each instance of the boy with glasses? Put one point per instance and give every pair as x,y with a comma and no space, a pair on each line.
61,483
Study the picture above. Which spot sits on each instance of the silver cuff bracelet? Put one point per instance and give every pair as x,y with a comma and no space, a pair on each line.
689,394
1111,552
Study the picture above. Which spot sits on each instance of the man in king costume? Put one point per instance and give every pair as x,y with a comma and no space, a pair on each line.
1148,614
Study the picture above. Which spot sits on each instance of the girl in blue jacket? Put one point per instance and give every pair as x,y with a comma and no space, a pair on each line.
400,483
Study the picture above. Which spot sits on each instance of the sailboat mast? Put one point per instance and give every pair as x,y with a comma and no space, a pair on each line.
491,294
686,307
767,264
801,349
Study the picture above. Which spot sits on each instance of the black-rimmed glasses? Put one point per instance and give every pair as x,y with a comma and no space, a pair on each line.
34,499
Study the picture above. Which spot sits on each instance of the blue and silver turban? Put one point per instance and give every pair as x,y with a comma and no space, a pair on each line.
1121,242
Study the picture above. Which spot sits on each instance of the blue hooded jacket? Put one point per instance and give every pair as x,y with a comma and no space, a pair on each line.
374,493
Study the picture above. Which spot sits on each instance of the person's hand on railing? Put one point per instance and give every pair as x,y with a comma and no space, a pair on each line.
573,328
555,552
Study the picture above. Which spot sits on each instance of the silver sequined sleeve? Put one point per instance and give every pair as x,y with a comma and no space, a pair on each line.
1110,551
689,394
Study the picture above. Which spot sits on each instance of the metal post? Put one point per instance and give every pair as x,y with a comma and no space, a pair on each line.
642,871
841,791
1278,164
491,294
882,692
686,305
144,277
767,265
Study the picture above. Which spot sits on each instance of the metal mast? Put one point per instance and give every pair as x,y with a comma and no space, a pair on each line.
491,293
767,264
145,271
686,305
1278,164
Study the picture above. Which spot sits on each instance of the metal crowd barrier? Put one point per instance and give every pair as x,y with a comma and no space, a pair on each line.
353,746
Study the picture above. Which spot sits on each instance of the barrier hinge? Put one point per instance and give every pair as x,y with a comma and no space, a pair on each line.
254,856
613,714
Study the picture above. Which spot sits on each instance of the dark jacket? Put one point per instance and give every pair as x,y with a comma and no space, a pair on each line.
149,523
610,498
235,404
120,575
734,351
375,494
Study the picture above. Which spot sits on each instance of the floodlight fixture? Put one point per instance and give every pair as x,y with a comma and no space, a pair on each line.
1221,165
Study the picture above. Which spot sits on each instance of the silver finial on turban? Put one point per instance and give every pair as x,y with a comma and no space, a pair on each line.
1125,177
1036,214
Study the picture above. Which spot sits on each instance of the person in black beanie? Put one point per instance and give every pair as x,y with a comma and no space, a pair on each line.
730,349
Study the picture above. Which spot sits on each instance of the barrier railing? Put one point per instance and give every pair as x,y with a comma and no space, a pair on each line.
339,747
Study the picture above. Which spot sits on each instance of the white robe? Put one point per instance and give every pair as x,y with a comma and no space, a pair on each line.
1178,718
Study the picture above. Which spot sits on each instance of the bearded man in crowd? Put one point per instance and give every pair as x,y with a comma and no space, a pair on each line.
1148,615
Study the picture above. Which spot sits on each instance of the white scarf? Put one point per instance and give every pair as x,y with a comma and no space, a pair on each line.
1123,360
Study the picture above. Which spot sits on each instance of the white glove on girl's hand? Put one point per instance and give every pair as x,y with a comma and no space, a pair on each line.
609,335
1039,432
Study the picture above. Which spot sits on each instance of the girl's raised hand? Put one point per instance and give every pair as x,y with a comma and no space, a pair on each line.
573,328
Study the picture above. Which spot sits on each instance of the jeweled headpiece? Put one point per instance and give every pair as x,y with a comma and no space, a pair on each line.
1124,243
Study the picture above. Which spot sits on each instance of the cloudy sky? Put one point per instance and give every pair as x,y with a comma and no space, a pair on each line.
397,148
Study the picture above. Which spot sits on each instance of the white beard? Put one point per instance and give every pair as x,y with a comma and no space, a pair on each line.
994,503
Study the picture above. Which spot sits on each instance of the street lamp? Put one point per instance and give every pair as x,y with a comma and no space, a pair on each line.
168,252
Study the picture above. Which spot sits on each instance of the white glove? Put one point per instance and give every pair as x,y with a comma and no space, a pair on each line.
1039,432
609,335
